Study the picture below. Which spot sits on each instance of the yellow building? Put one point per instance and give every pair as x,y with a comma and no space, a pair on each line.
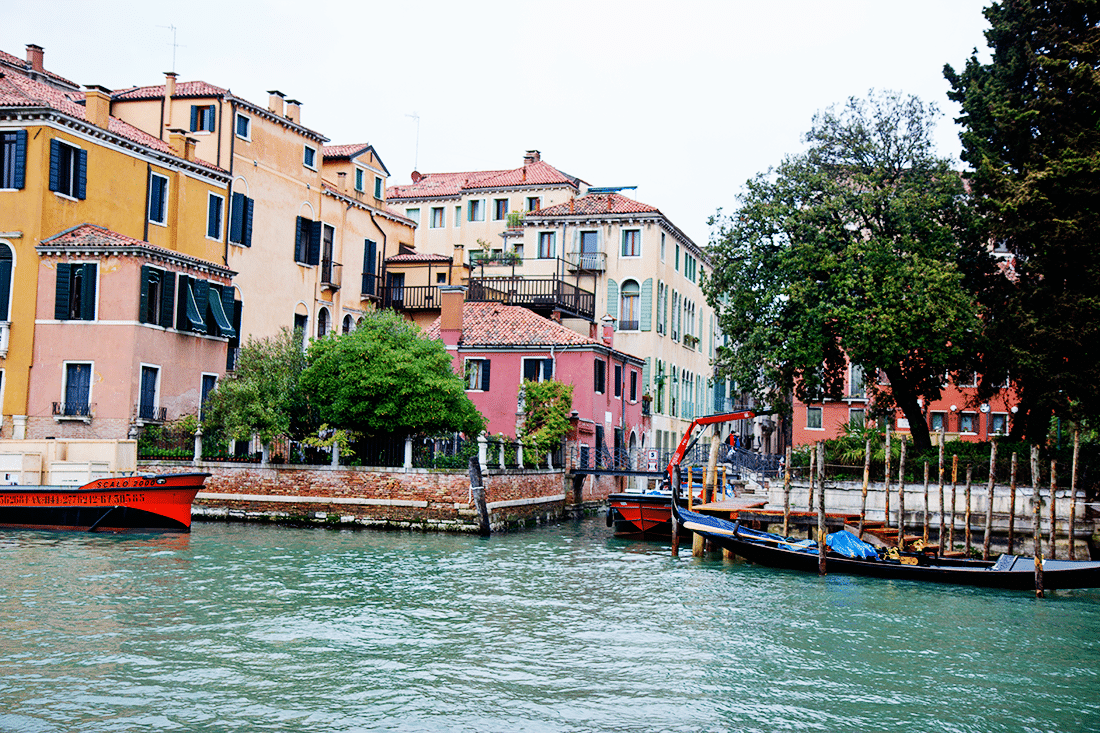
66,162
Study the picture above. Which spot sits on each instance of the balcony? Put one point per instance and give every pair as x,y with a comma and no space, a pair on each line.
587,261
331,273
540,294
372,287
151,413
409,297
629,325
73,411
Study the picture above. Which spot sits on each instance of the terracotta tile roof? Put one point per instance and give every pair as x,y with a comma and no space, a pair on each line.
92,235
595,204
414,256
183,89
344,151
538,173
20,91
7,59
494,324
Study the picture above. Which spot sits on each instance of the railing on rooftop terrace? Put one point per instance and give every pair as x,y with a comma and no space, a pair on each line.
537,293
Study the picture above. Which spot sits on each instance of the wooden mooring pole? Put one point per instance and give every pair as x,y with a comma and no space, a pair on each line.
901,497
787,493
1053,505
477,490
942,507
1035,521
886,493
954,493
675,478
1012,502
813,477
821,511
1073,495
989,500
966,514
866,481
925,536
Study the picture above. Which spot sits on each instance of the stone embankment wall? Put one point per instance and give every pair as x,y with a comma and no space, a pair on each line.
371,497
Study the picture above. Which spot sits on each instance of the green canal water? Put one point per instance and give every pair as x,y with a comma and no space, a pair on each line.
243,628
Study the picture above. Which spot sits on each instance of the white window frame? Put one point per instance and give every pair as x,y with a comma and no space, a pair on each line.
475,210
202,376
523,367
993,415
167,199
156,388
221,216
552,251
820,417
65,388
442,217
414,214
379,188
458,217
248,124
360,179
974,426
468,376
622,245
496,209
537,200
306,156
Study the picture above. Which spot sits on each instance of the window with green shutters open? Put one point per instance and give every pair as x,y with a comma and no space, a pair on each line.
158,199
74,293
214,207
191,304
158,296
13,159
240,220
370,267
307,242
477,375
538,370
202,118
68,169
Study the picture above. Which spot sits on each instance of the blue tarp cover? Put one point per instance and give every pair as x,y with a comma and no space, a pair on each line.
847,544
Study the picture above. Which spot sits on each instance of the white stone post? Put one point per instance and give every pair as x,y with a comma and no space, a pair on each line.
502,444
335,455
198,447
408,452
519,454
482,451
19,427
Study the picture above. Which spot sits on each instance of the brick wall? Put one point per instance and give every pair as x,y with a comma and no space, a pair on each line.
348,495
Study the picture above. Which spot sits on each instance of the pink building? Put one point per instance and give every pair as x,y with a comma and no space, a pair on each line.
127,333
957,410
497,346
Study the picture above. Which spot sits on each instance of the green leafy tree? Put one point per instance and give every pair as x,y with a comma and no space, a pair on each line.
546,408
263,395
1031,134
386,377
856,247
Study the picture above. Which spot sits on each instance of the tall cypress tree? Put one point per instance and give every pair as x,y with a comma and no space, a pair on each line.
1031,134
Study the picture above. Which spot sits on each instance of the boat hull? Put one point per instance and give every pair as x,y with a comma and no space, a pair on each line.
139,503
645,515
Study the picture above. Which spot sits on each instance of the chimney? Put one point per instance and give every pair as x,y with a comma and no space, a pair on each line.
294,111
608,330
531,156
177,141
189,144
275,102
342,182
97,105
452,300
571,202
34,56
169,85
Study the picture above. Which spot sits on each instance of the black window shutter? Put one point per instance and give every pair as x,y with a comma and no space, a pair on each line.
199,287
167,297
298,256
548,369
181,304
596,376
20,158
87,292
484,375
55,165
315,243
227,308
236,218
194,117
531,369
248,204
82,174
61,292
143,308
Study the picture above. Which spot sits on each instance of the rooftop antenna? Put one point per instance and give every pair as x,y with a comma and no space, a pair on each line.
174,44
416,152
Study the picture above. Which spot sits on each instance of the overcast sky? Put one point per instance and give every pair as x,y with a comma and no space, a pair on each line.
685,100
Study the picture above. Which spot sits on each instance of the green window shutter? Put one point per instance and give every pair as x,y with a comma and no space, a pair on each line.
167,297
646,304
81,174
298,256
199,291
87,292
5,280
612,298
143,308
55,165
315,243
228,306
61,292
249,204
236,218
646,371
194,117
20,158
485,375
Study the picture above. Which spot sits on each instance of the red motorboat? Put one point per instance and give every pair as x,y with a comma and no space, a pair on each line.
137,503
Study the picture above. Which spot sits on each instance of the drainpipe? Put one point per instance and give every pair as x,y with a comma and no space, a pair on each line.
145,214
382,270
229,188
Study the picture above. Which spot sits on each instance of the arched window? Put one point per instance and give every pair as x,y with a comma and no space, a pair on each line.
5,281
347,324
628,310
322,322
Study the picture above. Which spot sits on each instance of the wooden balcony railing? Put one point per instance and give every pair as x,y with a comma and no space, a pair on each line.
538,294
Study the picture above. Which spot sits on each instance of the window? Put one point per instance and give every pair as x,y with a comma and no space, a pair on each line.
214,204
301,322
377,187
458,217
209,382
546,245
13,158
599,382
628,311
244,127
538,370
998,423
476,210
968,380
328,271
219,309
632,243
191,304
856,387
322,322
6,261
618,380
309,157
202,118
78,390
359,179
676,263
533,202
75,292
307,242
240,220
937,421
158,293
413,214
500,209
968,422
370,267
477,375
147,399
813,418
440,278
68,169
857,417
662,246
158,199
662,307
437,221
348,324
633,385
